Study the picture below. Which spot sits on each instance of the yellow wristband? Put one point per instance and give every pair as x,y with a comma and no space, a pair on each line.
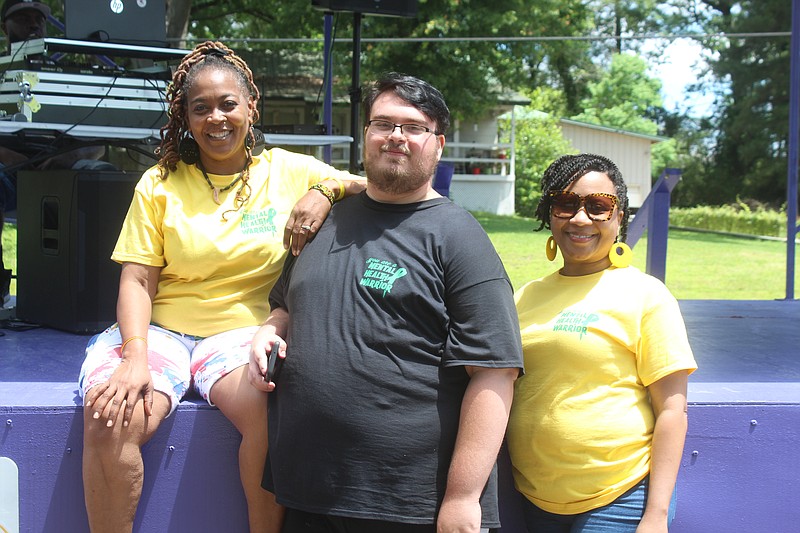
122,348
340,183
324,190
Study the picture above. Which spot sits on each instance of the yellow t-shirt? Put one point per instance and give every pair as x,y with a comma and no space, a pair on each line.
581,423
215,275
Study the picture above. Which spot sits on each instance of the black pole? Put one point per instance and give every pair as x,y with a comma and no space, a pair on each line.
355,94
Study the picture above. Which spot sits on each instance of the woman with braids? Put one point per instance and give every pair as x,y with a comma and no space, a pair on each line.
203,242
598,420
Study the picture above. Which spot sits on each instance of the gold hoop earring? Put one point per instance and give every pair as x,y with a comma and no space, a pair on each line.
551,248
620,255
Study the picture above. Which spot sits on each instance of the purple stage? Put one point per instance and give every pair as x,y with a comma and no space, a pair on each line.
740,472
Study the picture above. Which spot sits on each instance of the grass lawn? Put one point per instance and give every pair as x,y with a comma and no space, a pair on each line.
9,243
700,266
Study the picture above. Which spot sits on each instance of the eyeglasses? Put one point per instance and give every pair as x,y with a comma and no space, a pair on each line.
599,206
384,127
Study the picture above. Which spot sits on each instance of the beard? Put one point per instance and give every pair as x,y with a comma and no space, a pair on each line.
393,177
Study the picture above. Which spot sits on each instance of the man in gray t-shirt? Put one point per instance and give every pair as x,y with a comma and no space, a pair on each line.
402,346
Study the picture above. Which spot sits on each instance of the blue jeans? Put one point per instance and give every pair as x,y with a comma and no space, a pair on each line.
620,516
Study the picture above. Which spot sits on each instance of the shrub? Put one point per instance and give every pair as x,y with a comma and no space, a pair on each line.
732,218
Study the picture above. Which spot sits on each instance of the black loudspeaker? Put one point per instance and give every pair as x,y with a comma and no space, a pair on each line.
389,8
68,222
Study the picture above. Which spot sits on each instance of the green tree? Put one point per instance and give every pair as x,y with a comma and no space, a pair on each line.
623,18
623,97
750,155
695,157
470,72
238,19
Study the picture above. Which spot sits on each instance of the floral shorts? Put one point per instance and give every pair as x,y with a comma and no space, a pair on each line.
176,361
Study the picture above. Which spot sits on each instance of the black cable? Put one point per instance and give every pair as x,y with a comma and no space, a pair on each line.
162,91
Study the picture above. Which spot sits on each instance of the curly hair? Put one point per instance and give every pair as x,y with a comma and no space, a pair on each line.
569,168
205,55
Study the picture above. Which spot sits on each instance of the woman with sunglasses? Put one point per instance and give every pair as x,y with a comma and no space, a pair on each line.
598,420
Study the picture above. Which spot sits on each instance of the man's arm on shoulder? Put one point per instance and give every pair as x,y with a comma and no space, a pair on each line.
482,425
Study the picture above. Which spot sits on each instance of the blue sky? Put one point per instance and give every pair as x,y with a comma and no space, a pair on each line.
681,61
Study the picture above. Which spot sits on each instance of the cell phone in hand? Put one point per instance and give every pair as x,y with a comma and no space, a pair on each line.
274,363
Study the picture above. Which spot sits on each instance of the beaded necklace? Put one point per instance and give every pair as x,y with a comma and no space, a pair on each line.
217,190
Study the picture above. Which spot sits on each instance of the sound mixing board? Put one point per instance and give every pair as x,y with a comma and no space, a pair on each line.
43,90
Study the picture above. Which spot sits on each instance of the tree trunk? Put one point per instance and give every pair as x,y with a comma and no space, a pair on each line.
178,21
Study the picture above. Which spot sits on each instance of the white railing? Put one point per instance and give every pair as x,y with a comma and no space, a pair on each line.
480,158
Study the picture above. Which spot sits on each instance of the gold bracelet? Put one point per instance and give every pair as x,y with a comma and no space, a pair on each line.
340,183
122,348
324,190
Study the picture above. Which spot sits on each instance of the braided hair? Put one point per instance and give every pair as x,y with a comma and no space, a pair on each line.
205,55
569,168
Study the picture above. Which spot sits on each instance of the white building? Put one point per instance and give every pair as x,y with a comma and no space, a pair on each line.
630,151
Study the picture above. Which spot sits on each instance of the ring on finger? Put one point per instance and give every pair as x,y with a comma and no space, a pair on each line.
306,227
